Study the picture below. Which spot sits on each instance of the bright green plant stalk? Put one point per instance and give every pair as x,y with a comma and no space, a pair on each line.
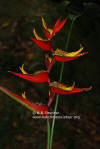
60,79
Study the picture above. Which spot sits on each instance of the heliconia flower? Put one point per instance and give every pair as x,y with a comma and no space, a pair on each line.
65,54
45,45
62,56
49,33
59,88
40,109
38,77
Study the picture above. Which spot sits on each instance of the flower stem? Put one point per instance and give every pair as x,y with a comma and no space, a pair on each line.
60,79
48,137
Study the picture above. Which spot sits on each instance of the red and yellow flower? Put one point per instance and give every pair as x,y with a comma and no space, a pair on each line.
38,77
61,89
63,56
49,33
42,75
39,109
45,44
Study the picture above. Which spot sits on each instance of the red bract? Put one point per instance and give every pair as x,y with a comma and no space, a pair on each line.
66,59
59,88
40,109
49,62
62,92
58,25
49,33
45,45
38,77
62,56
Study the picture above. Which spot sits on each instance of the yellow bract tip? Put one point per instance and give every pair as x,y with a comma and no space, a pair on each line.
59,52
50,59
36,35
22,69
24,95
44,23
72,54
45,26
61,86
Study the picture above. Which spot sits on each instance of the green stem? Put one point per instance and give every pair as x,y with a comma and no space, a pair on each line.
48,130
60,79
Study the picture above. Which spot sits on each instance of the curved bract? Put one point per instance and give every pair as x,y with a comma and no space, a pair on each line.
45,45
40,109
49,33
61,89
38,77
63,56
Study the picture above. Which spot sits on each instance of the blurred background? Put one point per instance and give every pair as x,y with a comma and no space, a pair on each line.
17,20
